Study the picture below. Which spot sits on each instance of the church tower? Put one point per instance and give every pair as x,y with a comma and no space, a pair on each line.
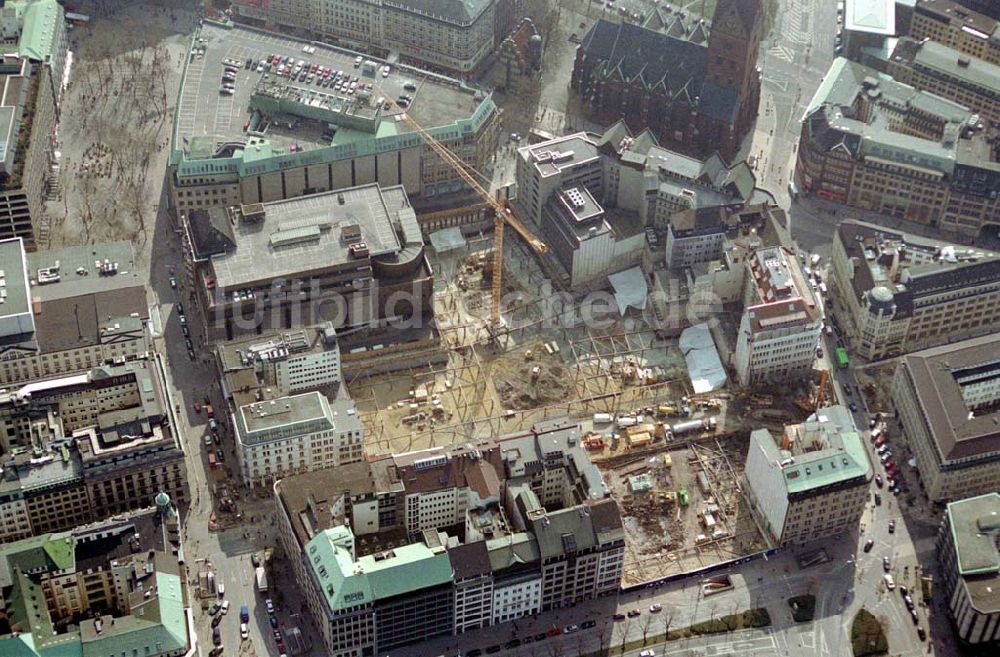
733,44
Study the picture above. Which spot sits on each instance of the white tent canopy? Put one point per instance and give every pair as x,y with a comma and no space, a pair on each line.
630,289
703,362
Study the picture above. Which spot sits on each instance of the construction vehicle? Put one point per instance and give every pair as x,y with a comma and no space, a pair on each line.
816,401
503,214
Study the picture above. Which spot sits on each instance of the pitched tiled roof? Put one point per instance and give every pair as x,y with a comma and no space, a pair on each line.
656,60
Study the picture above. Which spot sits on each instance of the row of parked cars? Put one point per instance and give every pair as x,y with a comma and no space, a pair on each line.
534,638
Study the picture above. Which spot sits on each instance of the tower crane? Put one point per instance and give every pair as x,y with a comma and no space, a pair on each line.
503,214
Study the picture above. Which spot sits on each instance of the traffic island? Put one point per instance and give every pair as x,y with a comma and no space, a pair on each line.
749,619
867,635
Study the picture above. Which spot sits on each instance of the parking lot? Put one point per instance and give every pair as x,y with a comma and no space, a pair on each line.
204,111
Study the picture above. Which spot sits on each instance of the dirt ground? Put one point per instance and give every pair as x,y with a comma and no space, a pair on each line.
117,113
661,533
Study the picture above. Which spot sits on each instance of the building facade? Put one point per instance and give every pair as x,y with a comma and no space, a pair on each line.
697,94
85,447
106,588
781,323
812,484
449,35
295,434
518,557
330,139
945,399
899,292
968,556
355,258
956,26
949,73
32,72
871,142
69,310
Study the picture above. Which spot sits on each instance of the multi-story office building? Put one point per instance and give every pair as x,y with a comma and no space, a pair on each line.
781,323
448,34
592,196
85,447
654,182
898,292
110,588
518,557
293,138
354,257
544,169
871,142
956,26
577,231
697,93
814,483
700,235
32,70
968,555
949,73
69,310
300,433
287,362
946,401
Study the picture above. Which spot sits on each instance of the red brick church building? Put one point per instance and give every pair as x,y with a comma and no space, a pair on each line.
697,92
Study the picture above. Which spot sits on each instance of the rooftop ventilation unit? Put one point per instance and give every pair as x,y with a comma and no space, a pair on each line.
575,198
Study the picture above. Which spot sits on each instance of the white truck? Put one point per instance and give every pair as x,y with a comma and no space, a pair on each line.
261,575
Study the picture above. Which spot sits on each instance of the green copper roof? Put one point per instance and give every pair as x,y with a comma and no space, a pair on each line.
41,19
47,552
347,583
157,622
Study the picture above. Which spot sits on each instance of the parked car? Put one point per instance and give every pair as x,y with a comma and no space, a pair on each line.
214,609
921,633
618,617
886,563
216,620
868,544
890,583
878,481
225,607
634,613
914,617
892,526
569,629
647,653
269,605
878,500
653,609
587,624
244,631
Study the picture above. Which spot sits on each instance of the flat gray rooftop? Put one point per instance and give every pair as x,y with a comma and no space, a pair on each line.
975,523
305,235
80,270
204,112
14,285
285,411
551,157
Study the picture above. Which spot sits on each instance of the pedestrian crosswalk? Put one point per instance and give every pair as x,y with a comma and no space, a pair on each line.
795,22
782,52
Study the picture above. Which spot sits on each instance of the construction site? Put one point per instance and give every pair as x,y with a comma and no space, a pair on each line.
517,347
